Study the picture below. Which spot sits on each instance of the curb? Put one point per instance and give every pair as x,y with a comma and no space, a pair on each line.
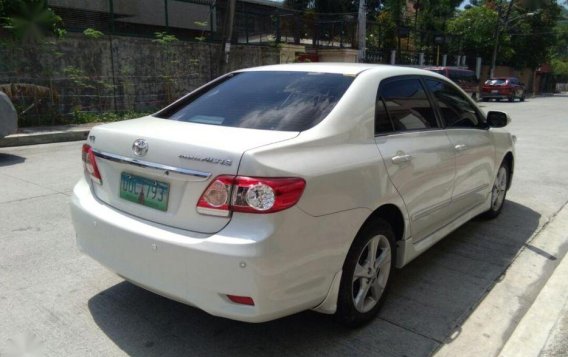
496,319
532,333
44,137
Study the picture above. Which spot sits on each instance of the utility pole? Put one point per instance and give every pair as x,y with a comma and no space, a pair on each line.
497,34
227,35
362,27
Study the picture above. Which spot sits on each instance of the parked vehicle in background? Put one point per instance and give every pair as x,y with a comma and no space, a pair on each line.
463,77
508,88
8,116
277,189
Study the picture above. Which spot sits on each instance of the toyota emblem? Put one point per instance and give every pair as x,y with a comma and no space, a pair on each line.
140,147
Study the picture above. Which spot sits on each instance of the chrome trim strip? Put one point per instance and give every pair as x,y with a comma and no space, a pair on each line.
429,210
467,193
150,165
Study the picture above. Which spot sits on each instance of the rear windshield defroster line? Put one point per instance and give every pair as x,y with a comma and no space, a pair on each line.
269,100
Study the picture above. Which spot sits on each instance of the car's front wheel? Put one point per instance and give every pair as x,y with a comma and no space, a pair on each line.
498,192
367,271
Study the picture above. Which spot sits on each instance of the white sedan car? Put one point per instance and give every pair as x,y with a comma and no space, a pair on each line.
278,189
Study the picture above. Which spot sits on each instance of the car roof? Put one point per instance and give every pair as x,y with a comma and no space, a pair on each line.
341,68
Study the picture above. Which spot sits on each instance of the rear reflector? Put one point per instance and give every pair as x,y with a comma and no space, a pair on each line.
228,194
90,164
243,300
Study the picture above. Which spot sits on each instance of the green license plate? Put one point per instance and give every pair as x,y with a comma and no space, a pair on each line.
147,192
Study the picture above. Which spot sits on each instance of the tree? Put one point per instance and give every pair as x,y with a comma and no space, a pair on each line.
475,27
29,20
533,36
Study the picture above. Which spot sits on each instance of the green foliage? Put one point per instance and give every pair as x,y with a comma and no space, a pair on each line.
163,38
92,33
78,77
531,36
559,52
203,25
29,20
474,27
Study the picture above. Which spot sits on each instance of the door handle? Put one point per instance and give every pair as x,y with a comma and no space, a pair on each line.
399,159
461,147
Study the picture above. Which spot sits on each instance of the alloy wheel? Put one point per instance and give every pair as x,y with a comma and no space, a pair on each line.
371,273
499,189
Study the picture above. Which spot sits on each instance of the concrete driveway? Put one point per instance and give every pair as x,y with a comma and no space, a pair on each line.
57,301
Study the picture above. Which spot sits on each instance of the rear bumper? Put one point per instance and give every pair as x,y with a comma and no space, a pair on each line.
495,95
284,270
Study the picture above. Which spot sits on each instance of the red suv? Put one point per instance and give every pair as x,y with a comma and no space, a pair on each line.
463,77
503,88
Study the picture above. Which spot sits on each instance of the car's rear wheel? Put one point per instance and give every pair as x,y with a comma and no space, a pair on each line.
367,271
485,99
511,98
498,192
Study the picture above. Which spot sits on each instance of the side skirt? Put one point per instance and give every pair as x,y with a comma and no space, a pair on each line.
408,250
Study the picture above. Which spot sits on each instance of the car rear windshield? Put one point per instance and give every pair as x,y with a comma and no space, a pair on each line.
496,82
286,101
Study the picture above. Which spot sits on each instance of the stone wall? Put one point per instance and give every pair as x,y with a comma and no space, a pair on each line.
87,75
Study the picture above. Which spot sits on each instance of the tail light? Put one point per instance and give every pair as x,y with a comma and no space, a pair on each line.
250,194
90,164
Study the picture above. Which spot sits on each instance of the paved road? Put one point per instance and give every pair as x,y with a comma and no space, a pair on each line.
54,299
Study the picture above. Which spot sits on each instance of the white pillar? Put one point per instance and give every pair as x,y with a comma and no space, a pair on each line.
458,60
421,58
393,57
444,60
478,67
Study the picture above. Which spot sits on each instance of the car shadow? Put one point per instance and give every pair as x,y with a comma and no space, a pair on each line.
429,299
9,159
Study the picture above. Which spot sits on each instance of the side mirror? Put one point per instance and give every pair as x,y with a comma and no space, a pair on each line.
497,119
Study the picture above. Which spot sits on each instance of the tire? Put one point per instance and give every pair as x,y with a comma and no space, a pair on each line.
498,192
511,99
522,99
485,99
366,276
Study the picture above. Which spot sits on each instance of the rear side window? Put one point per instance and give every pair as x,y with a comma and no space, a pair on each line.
456,109
286,101
496,82
405,105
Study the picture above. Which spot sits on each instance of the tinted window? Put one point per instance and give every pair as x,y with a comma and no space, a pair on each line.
496,82
407,105
383,123
288,101
456,109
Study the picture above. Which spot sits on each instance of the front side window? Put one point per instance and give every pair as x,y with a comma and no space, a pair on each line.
270,100
457,111
405,104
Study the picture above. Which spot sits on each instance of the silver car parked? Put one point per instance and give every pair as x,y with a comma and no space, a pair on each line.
278,189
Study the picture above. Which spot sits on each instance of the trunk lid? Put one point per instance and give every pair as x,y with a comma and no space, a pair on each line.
165,184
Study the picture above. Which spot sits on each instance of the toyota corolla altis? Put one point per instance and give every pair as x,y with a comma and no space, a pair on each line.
278,189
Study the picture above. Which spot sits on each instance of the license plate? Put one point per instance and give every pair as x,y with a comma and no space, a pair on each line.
144,191
495,91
